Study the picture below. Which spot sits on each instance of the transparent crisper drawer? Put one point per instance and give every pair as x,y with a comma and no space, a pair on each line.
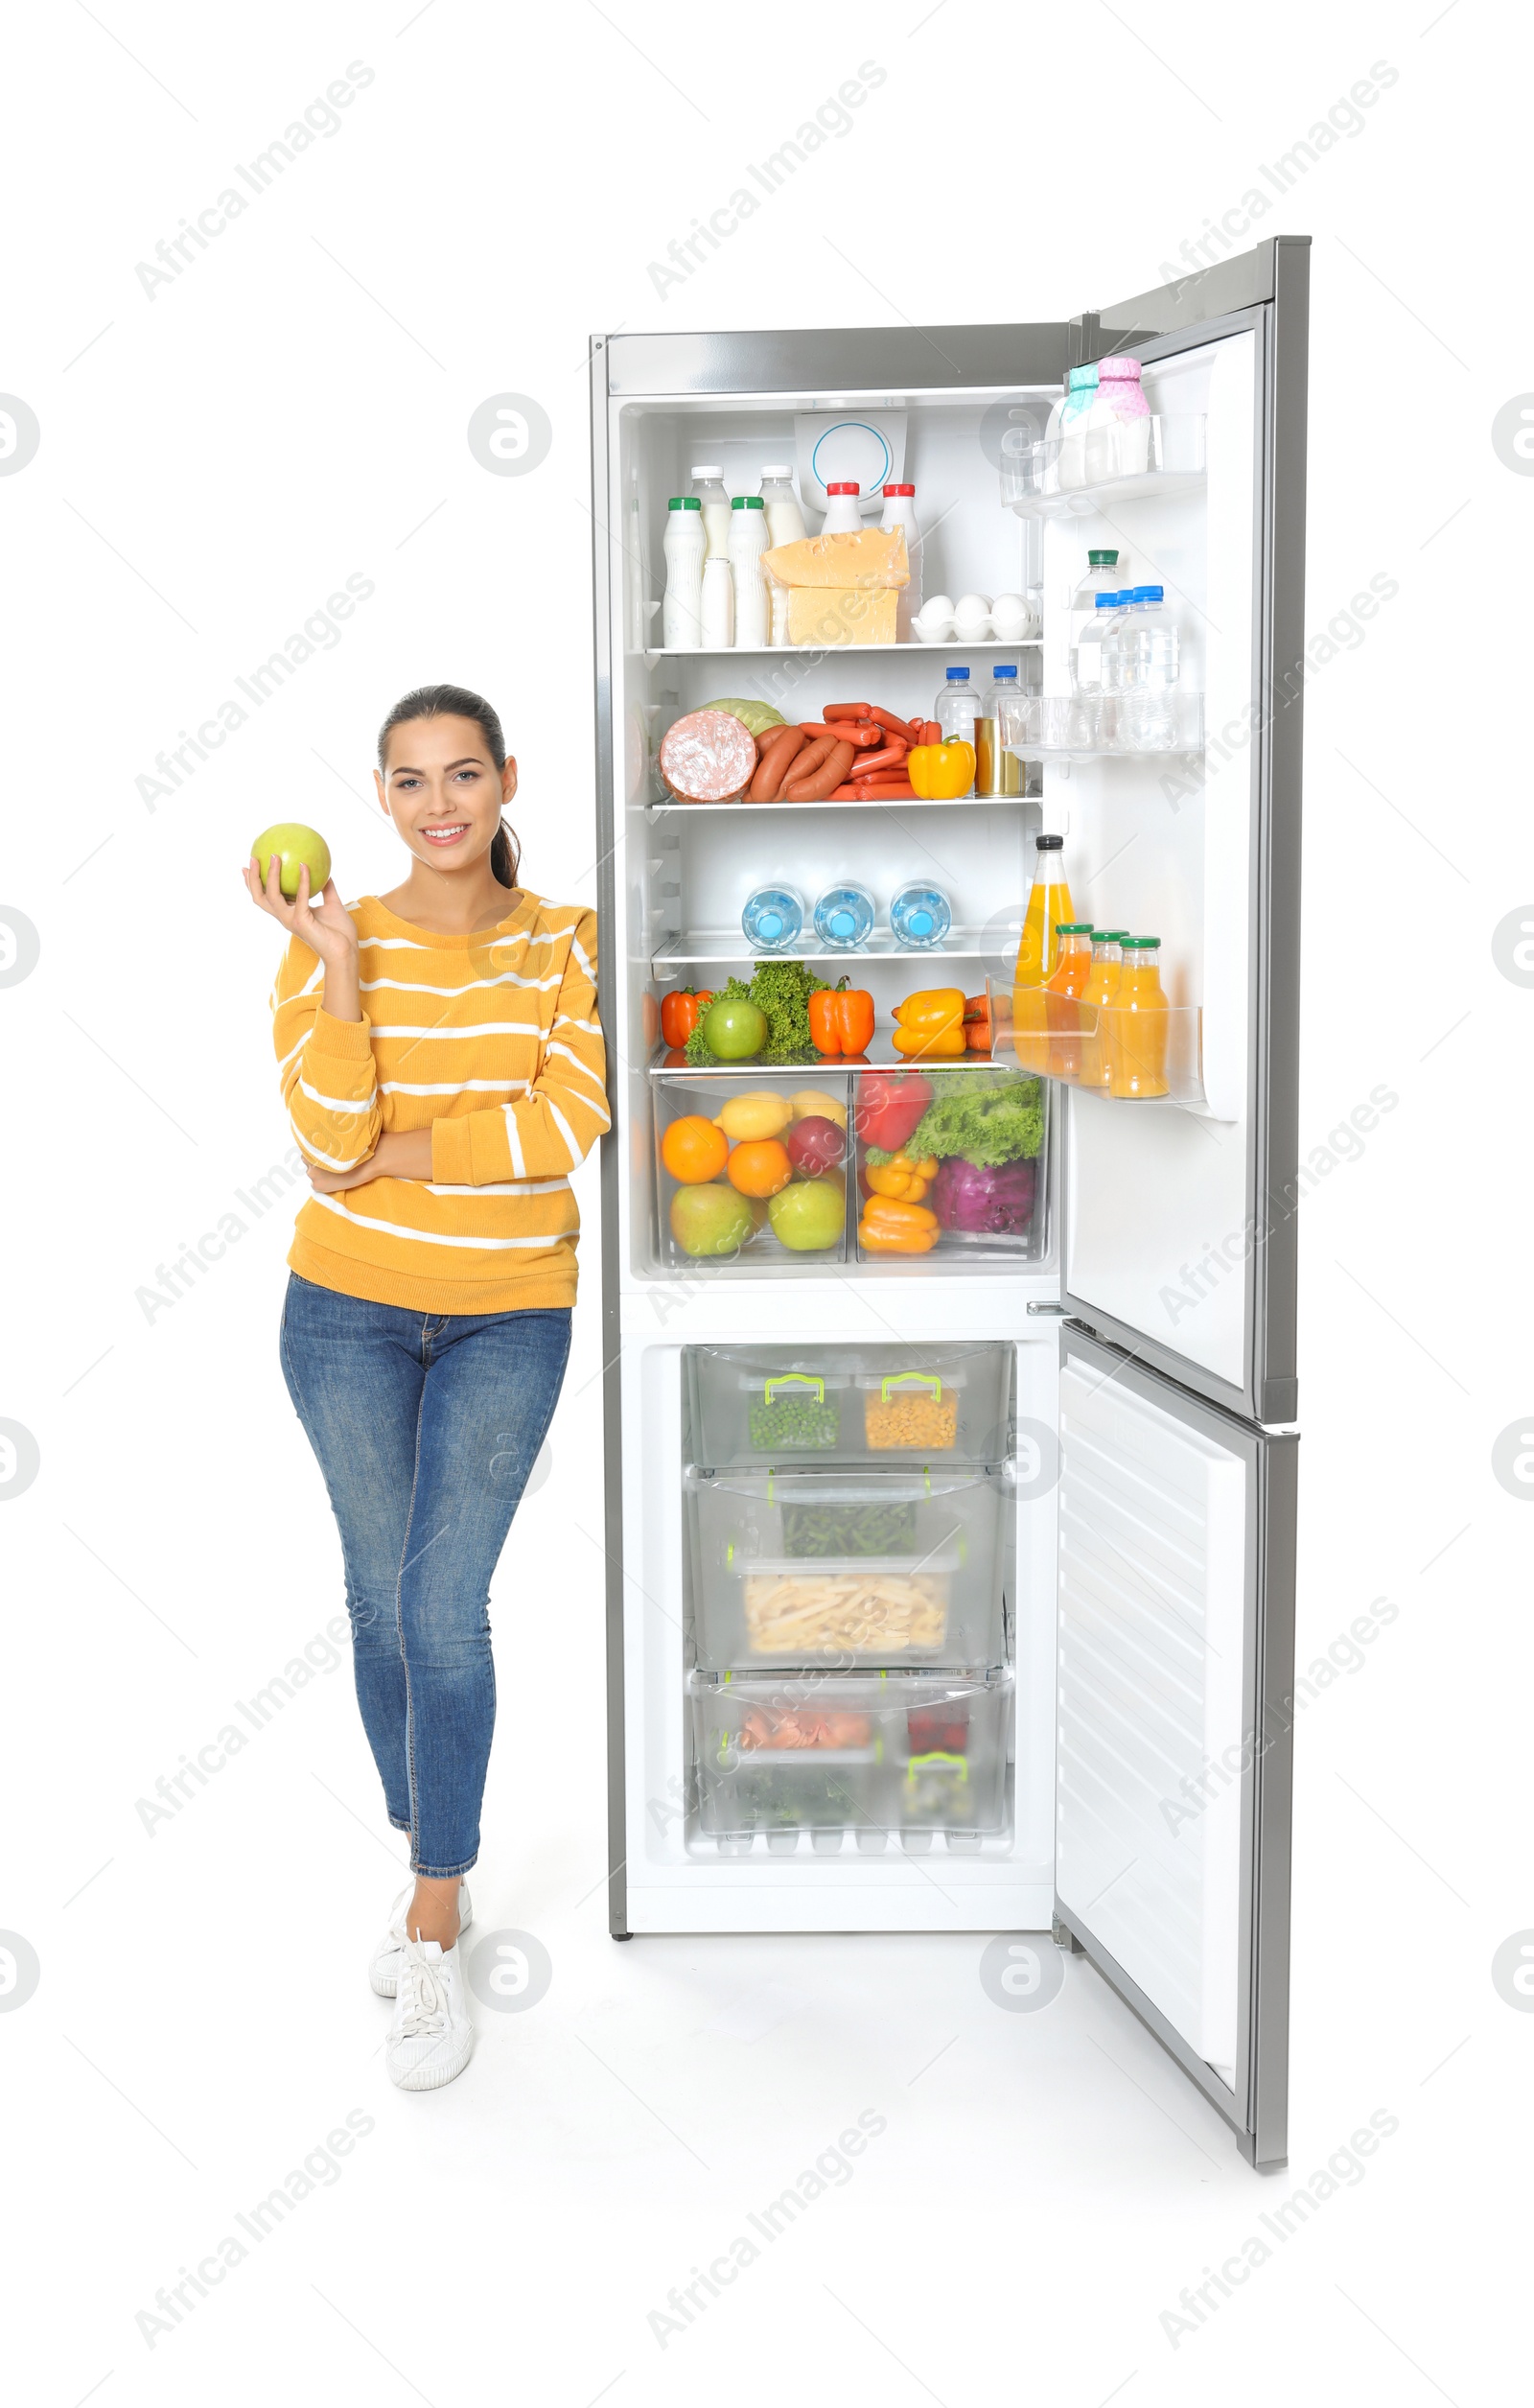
769,1205
810,1568
751,1406
880,1756
975,1169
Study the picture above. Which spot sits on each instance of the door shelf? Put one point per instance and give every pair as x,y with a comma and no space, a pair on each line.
1105,727
1123,1057
1080,474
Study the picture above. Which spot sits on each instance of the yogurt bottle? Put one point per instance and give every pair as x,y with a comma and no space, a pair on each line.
843,517
748,541
709,489
785,524
684,546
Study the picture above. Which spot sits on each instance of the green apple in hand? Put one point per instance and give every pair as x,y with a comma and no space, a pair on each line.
294,845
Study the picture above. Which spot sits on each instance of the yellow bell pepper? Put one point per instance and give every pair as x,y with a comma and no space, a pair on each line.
889,1226
941,772
900,1177
931,1022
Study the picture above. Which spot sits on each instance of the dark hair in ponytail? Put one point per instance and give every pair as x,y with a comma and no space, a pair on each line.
457,702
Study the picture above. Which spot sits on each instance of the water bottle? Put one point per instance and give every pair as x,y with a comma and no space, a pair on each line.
844,916
773,919
919,914
1150,656
1106,574
1117,640
1087,652
997,771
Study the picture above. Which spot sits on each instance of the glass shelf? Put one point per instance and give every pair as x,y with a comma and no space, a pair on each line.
873,802
1097,470
840,651
1123,1056
729,944
668,1062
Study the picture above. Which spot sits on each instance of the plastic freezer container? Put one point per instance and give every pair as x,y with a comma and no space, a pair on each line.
884,1756
809,1568
751,1406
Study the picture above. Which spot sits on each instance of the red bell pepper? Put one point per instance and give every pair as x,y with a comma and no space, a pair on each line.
680,1011
889,1105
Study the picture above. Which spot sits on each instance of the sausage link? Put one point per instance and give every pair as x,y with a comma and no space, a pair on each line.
819,786
868,711
777,751
888,757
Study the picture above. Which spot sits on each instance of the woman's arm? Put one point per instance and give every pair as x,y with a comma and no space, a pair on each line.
402,1154
324,1049
547,1132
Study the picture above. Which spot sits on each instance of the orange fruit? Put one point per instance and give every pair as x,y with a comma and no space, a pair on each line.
693,1150
759,1166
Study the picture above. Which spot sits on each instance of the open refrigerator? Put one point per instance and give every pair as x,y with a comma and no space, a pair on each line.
956,1592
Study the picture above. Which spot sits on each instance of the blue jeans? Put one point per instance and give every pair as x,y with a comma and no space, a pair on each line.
425,1428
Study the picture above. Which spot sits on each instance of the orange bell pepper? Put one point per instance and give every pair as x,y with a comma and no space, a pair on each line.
931,1021
941,772
889,1226
900,1179
840,1020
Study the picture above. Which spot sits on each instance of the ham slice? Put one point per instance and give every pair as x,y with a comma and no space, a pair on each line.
708,757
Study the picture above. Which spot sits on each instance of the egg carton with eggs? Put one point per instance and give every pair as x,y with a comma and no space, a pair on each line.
974,618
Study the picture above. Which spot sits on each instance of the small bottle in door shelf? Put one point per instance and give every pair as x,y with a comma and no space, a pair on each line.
1101,1019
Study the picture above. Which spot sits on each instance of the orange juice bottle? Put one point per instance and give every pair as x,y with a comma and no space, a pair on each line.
1039,952
1137,1022
1102,985
1062,991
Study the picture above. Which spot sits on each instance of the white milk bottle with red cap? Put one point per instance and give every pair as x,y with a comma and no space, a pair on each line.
843,517
900,511
785,524
708,490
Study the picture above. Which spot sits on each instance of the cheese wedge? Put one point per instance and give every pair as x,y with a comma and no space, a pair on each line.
826,615
872,558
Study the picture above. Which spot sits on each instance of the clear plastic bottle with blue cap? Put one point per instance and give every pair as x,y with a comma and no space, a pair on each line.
997,771
843,916
957,707
1149,662
773,919
919,915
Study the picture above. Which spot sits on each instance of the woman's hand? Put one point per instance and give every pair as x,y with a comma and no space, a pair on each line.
327,927
402,1154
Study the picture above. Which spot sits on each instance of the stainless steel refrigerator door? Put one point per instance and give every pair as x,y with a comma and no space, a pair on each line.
1181,1229
1175,1697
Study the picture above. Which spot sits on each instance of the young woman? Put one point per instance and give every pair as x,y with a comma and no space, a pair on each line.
442,1068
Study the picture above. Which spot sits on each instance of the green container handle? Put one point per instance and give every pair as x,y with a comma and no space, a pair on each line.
794,1379
900,1379
939,1756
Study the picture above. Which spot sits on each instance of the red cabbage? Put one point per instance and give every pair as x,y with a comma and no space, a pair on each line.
998,1201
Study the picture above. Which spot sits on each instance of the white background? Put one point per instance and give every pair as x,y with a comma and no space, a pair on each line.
214,461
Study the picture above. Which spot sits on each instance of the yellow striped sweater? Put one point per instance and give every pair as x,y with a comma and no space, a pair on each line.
493,1040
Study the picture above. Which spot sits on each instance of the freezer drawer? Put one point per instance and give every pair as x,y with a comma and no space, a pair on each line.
882,1568
741,1198
749,1407
882,1756
977,1162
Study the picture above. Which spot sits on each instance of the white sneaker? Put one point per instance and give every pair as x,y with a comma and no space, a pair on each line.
431,2038
383,1971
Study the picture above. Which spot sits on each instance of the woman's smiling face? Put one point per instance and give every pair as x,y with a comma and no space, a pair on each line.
443,791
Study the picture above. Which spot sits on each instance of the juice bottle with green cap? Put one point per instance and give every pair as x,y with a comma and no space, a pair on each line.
1136,1047
1062,992
1039,952
1102,985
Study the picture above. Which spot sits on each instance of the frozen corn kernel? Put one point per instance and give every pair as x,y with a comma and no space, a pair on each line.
911,1420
